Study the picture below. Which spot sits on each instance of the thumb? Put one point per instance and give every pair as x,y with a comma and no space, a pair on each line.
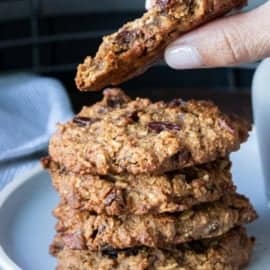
228,41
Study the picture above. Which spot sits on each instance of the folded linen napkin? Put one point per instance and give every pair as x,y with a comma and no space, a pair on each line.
30,108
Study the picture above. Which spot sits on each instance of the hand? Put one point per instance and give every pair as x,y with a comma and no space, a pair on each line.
228,41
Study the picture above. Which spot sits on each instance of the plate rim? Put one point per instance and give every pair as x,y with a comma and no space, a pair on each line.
5,262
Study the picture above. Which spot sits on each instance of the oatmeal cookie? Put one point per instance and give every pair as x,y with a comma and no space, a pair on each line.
115,195
140,43
231,251
81,229
118,136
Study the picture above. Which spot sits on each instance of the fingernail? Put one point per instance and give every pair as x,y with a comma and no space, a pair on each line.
183,57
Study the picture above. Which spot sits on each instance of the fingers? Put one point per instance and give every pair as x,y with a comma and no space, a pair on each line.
229,41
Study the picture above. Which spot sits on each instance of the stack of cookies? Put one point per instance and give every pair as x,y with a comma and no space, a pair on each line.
148,186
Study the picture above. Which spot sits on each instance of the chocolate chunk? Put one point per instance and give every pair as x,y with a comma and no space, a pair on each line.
127,36
110,198
110,178
161,126
94,234
82,121
113,253
131,251
110,252
133,116
74,241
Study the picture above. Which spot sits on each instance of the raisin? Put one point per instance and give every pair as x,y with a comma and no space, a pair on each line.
161,126
82,121
126,36
124,40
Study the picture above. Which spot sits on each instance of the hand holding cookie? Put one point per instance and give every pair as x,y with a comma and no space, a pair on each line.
228,41
139,44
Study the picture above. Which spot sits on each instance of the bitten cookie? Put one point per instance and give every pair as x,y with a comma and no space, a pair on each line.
138,44
119,135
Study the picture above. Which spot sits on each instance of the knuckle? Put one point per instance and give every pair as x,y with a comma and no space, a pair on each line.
232,45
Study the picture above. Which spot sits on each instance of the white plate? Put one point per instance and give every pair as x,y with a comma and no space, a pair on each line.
27,226
26,222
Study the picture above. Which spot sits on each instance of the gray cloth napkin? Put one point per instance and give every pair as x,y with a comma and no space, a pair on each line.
30,108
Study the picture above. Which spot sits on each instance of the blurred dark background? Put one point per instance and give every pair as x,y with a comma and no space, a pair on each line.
51,37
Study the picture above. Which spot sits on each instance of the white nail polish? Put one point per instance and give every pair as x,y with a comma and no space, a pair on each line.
183,57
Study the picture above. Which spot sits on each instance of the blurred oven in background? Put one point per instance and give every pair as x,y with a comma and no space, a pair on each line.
51,37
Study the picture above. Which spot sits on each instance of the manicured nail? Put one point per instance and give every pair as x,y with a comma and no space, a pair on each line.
183,57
